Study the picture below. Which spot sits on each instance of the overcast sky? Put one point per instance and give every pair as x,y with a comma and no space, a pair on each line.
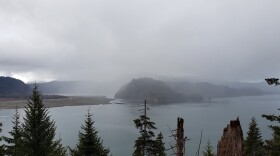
105,40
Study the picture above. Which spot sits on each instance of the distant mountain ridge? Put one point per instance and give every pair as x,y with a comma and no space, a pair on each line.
13,87
183,90
260,85
83,88
206,89
143,88
60,87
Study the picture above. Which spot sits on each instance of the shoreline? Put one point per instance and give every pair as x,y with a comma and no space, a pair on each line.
50,103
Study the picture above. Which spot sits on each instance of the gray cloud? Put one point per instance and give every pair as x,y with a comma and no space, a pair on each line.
104,40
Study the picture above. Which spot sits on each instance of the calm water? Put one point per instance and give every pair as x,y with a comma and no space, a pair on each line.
115,121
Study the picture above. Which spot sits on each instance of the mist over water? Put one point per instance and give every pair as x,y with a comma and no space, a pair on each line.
115,121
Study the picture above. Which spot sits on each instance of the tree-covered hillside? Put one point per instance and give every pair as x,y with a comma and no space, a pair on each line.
11,86
153,90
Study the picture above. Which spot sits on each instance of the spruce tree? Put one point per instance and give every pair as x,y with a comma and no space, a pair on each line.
254,145
208,149
160,149
89,143
273,145
59,150
14,147
38,129
2,151
145,144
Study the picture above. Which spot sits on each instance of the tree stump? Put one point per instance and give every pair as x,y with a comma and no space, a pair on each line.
231,143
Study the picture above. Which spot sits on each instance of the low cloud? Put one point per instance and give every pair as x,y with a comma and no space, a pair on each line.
105,40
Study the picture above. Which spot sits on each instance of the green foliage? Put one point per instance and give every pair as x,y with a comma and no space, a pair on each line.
253,144
144,145
208,149
2,151
160,149
15,144
273,145
38,130
89,143
59,150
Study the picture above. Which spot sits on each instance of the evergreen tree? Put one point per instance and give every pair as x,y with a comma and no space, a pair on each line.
89,143
2,151
59,150
145,145
254,145
38,130
273,145
208,149
14,147
160,149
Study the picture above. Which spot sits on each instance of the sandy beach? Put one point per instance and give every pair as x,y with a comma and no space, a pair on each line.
9,103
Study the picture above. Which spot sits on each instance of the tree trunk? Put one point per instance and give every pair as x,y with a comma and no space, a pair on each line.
231,143
180,137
